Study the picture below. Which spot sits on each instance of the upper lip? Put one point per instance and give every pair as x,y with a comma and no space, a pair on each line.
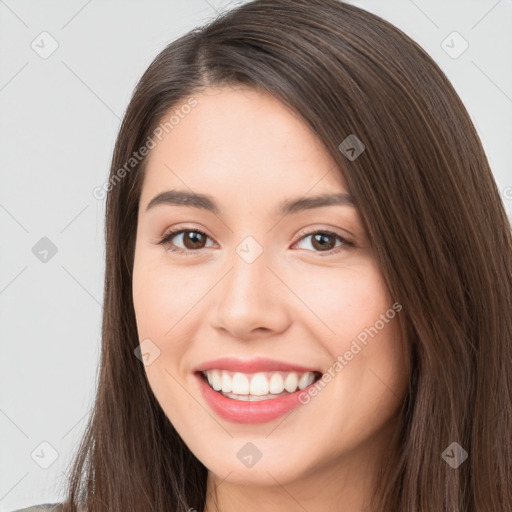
260,364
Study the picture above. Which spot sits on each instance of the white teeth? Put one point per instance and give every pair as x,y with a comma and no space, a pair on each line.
227,383
276,384
291,381
306,380
251,398
260,384
240,384
215,380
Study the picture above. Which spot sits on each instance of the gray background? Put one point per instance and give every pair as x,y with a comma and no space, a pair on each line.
60,114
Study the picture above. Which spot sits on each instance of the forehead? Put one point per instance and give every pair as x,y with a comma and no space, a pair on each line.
240,140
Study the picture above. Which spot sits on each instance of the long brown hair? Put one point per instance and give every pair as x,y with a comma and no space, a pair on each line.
435,219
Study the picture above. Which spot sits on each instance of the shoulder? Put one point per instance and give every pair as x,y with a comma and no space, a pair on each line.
47,507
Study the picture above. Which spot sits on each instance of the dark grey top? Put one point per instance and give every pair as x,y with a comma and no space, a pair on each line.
46,507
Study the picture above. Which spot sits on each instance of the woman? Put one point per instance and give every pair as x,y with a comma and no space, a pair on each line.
308,280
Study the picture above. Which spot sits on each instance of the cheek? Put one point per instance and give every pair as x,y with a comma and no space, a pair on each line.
366,380
344,301
158,297
160,308
357,325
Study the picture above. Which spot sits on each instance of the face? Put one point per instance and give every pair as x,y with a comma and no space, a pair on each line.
287,296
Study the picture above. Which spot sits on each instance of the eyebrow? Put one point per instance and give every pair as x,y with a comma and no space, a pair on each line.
287,207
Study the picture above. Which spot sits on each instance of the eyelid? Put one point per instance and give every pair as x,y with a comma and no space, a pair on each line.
310,230
346,242
177,230
182,227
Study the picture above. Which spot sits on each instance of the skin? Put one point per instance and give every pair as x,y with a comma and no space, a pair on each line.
293,303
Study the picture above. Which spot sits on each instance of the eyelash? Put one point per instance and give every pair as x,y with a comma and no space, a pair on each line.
165,241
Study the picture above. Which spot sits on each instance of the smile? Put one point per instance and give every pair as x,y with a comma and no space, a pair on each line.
253,390
258,386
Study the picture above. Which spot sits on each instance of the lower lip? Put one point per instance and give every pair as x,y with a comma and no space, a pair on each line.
240,411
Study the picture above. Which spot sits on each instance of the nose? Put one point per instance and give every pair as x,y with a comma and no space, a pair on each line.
250,300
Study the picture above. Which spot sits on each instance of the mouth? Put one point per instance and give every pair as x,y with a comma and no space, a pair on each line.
258,386
257,390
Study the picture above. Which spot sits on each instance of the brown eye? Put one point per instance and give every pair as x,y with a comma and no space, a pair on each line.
322,241
326,242
192,239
